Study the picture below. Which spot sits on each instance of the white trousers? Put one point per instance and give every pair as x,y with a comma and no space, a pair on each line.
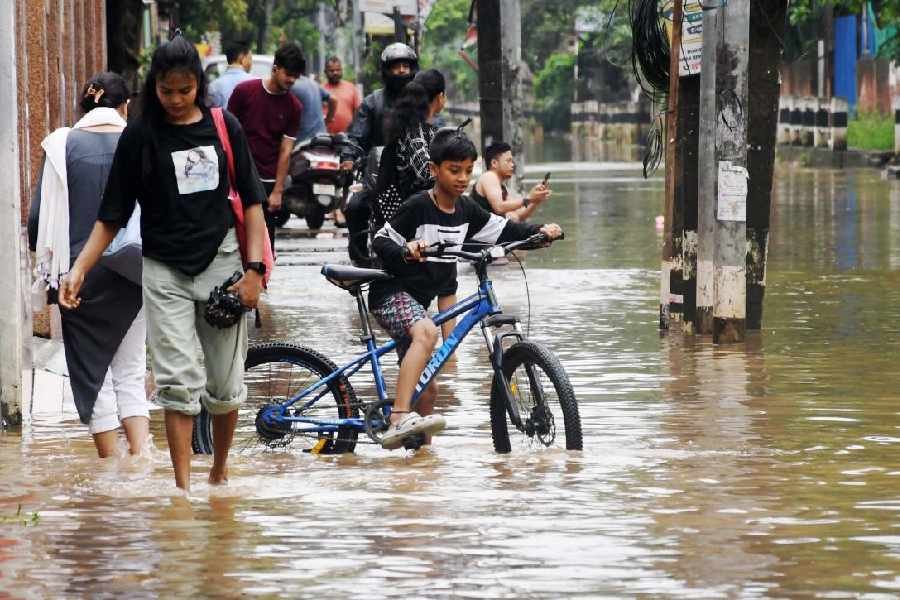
123,394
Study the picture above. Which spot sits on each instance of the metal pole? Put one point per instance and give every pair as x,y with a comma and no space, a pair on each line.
356,38
669,301
499,60
490,78
320,17
768,20
12,308
511,59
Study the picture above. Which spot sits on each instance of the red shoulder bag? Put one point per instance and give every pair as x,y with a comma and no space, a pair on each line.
237,207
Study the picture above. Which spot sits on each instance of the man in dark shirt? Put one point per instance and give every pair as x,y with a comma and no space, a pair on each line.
270,115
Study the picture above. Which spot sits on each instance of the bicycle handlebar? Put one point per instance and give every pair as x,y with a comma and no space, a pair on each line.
441,249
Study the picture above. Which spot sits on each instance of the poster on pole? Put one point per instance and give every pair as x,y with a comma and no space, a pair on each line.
731,204
691,35
691,39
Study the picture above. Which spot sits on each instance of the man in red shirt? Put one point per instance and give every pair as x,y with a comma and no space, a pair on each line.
270,116
346,94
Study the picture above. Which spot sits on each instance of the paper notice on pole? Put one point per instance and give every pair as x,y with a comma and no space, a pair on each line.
732,192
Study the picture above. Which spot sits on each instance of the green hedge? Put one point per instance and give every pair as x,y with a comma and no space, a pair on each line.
871,131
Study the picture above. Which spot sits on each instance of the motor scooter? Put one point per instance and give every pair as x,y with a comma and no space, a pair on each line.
317,183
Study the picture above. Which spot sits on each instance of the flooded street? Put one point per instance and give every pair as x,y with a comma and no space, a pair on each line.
768,469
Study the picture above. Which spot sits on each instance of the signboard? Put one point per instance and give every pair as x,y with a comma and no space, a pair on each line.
691,39
590,19
408,8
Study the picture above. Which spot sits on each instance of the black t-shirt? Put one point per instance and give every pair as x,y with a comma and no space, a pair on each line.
419,219
179,174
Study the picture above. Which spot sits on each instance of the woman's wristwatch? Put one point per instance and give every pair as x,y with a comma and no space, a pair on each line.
259,267
525,201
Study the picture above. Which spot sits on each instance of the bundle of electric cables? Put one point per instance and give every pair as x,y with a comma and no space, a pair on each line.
650,63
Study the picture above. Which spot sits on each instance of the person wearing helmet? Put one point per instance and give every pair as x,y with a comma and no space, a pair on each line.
399,64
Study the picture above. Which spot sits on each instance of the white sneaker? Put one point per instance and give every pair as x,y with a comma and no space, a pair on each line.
411,424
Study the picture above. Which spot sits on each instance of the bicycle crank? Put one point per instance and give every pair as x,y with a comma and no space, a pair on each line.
376,422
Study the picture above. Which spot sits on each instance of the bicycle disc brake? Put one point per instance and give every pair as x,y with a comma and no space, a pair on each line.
541,424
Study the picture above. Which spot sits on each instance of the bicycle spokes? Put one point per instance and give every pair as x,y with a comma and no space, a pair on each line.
529,410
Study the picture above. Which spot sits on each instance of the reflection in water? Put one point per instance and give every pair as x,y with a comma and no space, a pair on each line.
765,469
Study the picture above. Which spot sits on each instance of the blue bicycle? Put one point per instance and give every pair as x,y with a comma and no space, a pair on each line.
297,394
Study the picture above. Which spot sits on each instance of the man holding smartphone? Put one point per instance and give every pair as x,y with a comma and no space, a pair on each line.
490,190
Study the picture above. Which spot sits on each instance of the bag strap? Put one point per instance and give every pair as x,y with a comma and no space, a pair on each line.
225,139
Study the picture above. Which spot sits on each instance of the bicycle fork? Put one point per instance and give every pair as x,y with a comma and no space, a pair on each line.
495,349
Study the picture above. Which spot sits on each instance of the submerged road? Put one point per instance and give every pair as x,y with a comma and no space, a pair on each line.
768,469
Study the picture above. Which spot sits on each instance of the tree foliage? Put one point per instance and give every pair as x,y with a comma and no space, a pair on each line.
264,23
443,35
548,40
804,15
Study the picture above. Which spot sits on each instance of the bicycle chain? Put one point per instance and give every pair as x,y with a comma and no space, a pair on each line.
289,437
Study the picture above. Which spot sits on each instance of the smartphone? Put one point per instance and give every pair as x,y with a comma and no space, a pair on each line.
546,179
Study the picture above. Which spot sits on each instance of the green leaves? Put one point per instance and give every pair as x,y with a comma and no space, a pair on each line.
554,87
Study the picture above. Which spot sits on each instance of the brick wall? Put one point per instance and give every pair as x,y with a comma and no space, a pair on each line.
873,85
61,43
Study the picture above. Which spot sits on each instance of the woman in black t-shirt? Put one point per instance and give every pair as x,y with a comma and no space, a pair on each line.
172,162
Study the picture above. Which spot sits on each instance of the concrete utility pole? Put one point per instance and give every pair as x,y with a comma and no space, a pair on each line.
706,213
12,310
738,121
499,60
732,38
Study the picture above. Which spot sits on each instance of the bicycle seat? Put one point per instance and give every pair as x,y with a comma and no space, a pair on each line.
348,278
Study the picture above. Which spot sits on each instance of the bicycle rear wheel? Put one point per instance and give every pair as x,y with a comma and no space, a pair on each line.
274,373
543,411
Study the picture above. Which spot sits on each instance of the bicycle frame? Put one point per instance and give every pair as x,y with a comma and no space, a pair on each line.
476,307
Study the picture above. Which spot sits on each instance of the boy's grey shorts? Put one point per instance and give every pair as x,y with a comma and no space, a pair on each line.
193,362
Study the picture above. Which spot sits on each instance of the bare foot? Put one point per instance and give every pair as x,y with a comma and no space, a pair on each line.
218,477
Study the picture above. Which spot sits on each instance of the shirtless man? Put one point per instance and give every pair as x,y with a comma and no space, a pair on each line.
490,190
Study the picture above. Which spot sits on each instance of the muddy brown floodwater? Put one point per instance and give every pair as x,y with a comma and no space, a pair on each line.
766,469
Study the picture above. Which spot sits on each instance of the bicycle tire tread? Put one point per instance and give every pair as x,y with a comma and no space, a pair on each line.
201,440
516,355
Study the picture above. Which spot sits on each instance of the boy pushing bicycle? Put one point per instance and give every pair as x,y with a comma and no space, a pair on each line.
440,215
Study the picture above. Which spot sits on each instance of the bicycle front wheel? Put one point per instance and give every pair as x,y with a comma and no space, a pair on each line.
541,409
274,373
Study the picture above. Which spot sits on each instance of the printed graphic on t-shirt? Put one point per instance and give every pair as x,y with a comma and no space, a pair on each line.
196,170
